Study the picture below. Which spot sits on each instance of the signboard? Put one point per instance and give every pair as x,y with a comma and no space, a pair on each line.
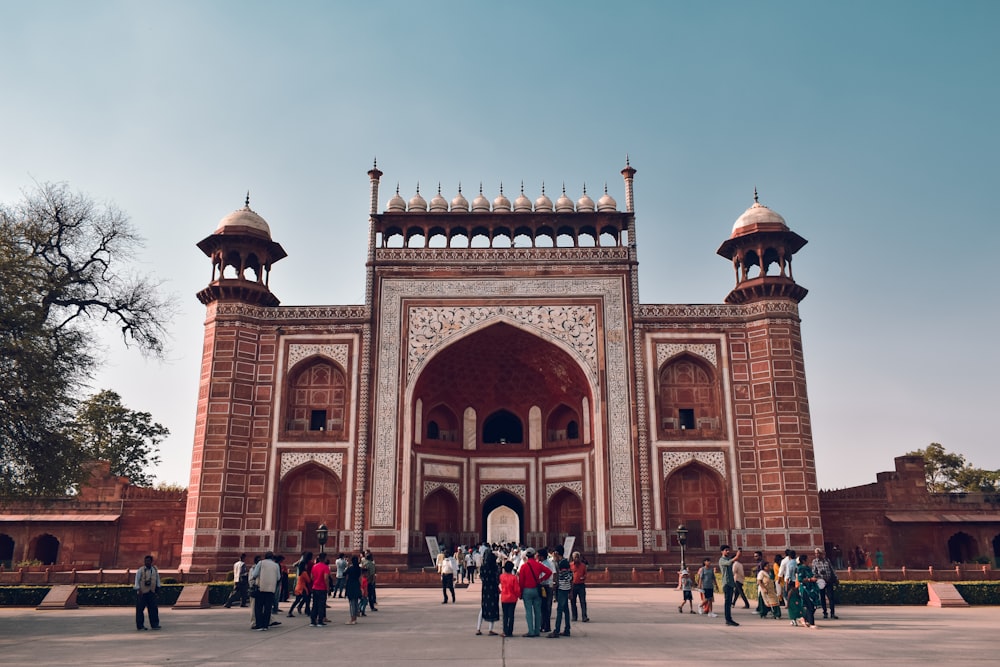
432,548
568,545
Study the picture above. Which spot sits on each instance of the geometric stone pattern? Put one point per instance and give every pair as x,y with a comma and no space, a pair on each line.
330,460
519,490
388,390
706,351
430,328
552,489
336,352
431,487
673,460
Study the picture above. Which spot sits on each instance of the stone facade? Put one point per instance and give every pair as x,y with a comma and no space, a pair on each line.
502,376
911,526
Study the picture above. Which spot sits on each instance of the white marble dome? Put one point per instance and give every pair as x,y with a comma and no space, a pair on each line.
543,204
397,204
585,204
438,203
607,203
480,204
246,219
522,204
758,214
501,204
459,204
417,203
564,204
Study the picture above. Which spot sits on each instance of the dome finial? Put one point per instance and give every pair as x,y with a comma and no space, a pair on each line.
626,160
564,188
439,188
543,188
522,187
584,187
247,203
397,187
501,188
755,199
460,187
375,162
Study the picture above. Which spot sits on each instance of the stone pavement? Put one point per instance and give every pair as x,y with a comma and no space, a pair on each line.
629,626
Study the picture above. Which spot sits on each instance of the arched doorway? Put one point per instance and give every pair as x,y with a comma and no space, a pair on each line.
46,549
309,496
503,519
694,496
565,517
996,551
440,518
6,551
962,548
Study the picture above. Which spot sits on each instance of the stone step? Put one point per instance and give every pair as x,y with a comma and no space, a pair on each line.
60,597
941,594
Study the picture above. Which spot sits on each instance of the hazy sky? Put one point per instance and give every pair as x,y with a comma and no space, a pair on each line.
870,126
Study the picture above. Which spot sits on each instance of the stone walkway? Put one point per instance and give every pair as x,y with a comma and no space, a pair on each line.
629,626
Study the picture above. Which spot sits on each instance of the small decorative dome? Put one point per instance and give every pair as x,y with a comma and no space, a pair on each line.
459,204
246,221
480,204
438,203
501,204
758,215
522,204
397,204
585,204
417,203
564,204
606,203
543,204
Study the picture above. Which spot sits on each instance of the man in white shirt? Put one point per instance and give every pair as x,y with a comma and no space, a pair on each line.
267,573
447,569
241,584
786,572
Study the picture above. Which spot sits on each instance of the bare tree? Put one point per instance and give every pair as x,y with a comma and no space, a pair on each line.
64,269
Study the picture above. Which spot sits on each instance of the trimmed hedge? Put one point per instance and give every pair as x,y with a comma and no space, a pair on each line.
22,596
106,595
882,592
980,592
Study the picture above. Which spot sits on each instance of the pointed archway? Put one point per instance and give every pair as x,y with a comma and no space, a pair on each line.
695,497
565,517
962,548
439,515
46,549
503,519
6,551
308,496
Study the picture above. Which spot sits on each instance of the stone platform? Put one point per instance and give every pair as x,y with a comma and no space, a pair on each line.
629,626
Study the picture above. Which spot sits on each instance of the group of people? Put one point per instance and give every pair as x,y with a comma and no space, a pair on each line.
789,581
540,578
352,578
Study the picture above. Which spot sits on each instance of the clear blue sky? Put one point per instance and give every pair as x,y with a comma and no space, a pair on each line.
870,126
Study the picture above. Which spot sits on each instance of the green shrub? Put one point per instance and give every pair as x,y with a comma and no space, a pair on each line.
980,592
882,592
22,596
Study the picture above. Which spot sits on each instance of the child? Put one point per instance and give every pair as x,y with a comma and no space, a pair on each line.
510,593
686,585
706,580
363,602
563,586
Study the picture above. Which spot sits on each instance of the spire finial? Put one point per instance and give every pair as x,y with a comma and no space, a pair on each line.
418,187
375,162
501,188
626,160
543,188
522,187
397,188
439,188
755,199
247,202
480,187
605,187
564,188
584,187
460,187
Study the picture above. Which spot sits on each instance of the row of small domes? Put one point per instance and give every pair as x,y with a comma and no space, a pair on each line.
501,204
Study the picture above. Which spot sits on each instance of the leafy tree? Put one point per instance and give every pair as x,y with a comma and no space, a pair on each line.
64,269
951,473
107,430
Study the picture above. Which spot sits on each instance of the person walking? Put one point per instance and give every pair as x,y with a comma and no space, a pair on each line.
268,577
738,591
686,585
489,580
369,565
241,583
564,584
341,565
706,582
728,582
303,587
808,589
147,585
447,570
828,575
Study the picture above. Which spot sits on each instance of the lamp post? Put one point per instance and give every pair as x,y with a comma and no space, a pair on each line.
321,535
682,538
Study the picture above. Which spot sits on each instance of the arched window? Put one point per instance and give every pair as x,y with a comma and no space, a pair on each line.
688,401
572,430
503,428
433,431
317,400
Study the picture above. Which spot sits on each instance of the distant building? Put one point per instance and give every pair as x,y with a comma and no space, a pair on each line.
502,381
911,526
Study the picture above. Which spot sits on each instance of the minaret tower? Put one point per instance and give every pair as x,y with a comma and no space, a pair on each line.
761,238
240,244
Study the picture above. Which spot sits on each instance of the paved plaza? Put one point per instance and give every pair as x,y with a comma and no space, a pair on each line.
629,626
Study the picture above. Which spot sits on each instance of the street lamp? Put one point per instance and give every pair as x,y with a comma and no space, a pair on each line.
321,534
682,538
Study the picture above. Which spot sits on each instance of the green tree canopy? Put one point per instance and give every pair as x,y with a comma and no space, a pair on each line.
107,430
951,473
64,269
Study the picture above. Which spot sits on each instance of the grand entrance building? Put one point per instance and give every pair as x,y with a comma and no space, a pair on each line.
502,381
